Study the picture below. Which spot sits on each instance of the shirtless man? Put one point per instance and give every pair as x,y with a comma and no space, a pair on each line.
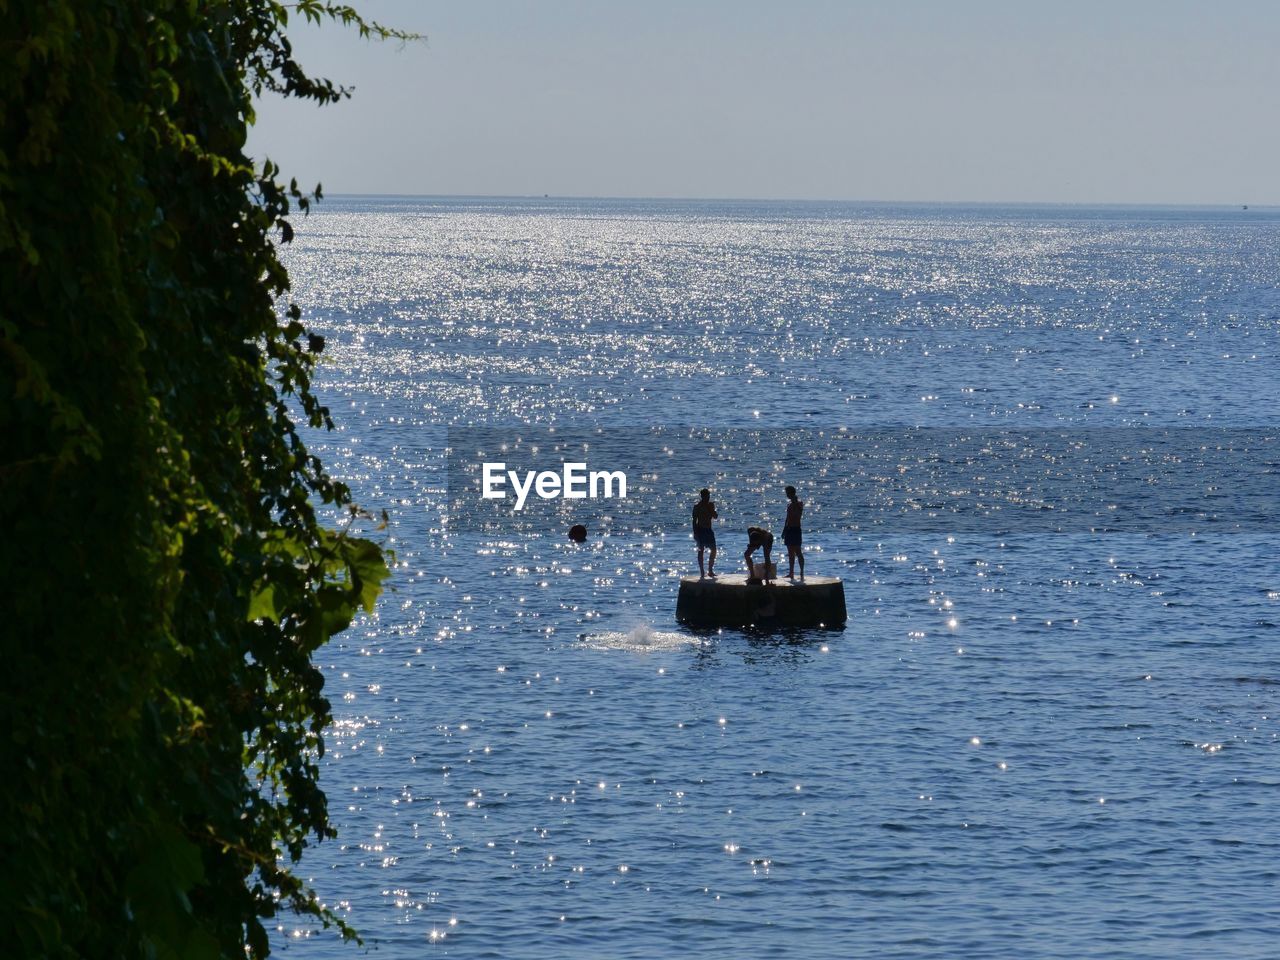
791,534
704,511
758,537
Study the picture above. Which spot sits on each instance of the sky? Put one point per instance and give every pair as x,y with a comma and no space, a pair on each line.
1124,101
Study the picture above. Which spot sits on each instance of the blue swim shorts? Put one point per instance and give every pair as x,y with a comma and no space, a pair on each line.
791,536
705,536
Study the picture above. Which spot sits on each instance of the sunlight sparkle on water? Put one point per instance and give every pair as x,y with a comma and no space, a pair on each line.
618,314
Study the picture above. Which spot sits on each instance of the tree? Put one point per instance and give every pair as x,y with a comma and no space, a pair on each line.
168,576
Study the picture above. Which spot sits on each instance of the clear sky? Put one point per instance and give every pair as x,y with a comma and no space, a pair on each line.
1112,101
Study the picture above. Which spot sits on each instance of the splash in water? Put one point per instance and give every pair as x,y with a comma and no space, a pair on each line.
641,638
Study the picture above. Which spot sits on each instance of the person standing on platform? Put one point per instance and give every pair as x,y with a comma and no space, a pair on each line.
704,511
791,534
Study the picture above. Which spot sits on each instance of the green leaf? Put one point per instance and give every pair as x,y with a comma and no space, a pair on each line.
262,603
368,570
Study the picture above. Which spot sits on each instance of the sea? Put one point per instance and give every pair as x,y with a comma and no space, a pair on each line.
1038,734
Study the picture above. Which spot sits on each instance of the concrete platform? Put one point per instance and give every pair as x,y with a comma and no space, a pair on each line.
729,601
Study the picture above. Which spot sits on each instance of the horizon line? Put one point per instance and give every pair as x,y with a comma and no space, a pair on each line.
1157,205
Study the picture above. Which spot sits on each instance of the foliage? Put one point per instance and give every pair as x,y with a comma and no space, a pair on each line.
167,576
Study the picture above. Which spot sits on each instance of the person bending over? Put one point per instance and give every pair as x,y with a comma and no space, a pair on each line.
758,537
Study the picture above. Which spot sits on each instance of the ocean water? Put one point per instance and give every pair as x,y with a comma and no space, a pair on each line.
1025,742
